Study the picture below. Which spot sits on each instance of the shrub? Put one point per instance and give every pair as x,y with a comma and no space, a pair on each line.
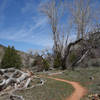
72,57
37,61
34,63
57,61
41,63
46,64
11,58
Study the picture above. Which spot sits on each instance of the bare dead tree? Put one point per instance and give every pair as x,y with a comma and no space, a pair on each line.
50,9
82,15
54,12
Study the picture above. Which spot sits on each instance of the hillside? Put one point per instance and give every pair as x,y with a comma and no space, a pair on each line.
67,84
2,51
76,52
26,58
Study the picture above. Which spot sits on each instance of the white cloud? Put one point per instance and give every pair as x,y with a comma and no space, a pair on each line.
36,34
40,22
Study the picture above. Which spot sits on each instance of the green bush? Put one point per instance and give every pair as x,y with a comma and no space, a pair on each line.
34,63
11,58
72,57
41,63
46,64
57,61
38,60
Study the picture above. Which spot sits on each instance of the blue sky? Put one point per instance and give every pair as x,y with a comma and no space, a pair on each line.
22,25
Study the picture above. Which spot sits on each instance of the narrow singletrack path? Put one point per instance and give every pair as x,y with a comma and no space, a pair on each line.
79,91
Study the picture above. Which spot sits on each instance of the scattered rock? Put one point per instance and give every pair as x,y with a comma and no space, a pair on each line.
91,78
94,97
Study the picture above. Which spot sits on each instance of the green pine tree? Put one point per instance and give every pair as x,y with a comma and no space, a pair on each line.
11,58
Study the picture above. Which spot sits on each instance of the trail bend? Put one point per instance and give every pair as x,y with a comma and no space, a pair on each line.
79,91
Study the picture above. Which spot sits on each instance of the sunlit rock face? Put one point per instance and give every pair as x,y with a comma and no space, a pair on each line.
93,44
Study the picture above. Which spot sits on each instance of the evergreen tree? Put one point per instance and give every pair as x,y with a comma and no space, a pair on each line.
11,58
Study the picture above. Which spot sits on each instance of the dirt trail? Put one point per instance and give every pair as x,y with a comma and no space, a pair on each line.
79,91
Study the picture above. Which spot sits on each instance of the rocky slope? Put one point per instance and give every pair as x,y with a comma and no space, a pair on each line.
92,44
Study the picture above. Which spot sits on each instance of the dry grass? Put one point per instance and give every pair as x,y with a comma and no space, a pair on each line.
52,90
55,90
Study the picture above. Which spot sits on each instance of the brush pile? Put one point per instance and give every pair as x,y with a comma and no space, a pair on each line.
94,97
12,80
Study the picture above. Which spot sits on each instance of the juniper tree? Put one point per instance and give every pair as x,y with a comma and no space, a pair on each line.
11,58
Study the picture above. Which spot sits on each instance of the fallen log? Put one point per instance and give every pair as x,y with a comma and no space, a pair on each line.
18,80
11,79
83,56
2,84
80,59
22,77
27,83
12,97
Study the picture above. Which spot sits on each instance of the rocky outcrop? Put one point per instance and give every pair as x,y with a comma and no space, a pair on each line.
92,45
